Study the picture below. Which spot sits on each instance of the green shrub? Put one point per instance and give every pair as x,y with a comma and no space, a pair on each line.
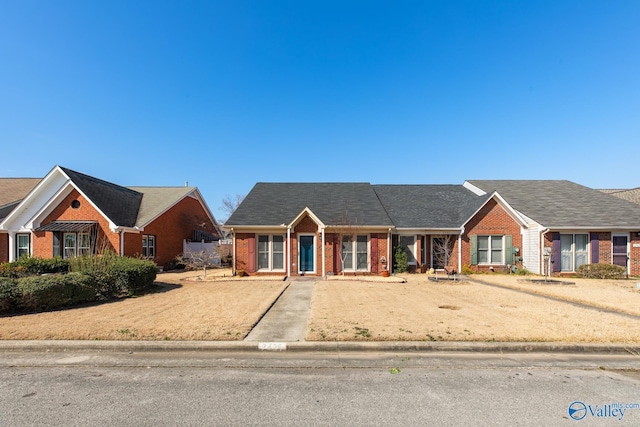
114,275
522,271
31,266
8,294
601,271
47,292
466,269
400,264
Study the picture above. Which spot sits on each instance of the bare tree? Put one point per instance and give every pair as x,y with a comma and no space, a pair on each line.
442,250
345,231
201,259
231,203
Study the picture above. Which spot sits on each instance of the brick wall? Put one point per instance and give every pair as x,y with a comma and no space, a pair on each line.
171,228
4,247
43,241
490,220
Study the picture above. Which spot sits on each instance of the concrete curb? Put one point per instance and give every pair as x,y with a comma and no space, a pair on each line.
342,346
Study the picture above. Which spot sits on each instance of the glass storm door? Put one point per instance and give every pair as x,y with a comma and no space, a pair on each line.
620,250
306,254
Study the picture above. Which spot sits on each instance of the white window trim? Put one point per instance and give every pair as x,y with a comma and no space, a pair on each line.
270,253
354,253
18,235
628,236
154,246
573,249
491,236
414,248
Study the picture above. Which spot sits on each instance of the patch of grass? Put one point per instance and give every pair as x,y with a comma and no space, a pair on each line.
362,332
395,370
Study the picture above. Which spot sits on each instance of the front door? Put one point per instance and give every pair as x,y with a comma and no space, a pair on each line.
307,258
620,250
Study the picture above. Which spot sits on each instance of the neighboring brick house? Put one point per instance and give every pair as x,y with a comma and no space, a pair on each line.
571,224
68,214
310,228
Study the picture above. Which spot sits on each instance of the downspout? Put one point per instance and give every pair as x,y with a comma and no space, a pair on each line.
289,255
121,243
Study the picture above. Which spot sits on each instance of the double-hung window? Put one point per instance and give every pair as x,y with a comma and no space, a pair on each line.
23,245
148,245
573,251
491,250
355,253
270,252
408,245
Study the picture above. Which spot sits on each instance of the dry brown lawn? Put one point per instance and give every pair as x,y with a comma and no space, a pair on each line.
466,311
418,310
182,310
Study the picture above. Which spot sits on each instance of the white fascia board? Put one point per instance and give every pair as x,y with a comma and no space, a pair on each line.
309,212
10,221
254,228
506,206
616,228
476,190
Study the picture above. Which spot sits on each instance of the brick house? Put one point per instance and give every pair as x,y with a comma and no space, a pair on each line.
68,214
322,229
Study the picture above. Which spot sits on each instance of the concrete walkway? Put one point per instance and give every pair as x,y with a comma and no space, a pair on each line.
286,321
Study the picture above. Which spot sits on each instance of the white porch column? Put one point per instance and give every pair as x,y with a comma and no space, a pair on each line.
324,272
12,246
288,251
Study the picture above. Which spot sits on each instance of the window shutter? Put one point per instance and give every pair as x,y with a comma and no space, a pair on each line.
473,241
595,248
56,244
374,253
508,249
251,262
555,254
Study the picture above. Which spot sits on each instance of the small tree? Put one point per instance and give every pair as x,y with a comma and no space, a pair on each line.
443,249
400,260
203,259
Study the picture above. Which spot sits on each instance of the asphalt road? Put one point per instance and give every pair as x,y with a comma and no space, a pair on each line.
304,389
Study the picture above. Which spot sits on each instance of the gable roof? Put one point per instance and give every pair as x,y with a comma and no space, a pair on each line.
631,195
119,204
564,204
275,204
157,200
429,206
12,191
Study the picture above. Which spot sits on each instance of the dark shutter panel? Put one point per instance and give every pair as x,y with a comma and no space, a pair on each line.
508,248
56,244
473,242
555,253
595,248
374,253
251,262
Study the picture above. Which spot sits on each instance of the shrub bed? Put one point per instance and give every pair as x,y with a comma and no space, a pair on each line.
31,266
94,278
47,292
601,271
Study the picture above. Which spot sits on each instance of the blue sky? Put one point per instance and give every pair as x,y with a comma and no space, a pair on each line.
223,94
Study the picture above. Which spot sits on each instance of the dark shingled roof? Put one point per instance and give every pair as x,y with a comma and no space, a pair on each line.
118,203
273,204
564,204
429,206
